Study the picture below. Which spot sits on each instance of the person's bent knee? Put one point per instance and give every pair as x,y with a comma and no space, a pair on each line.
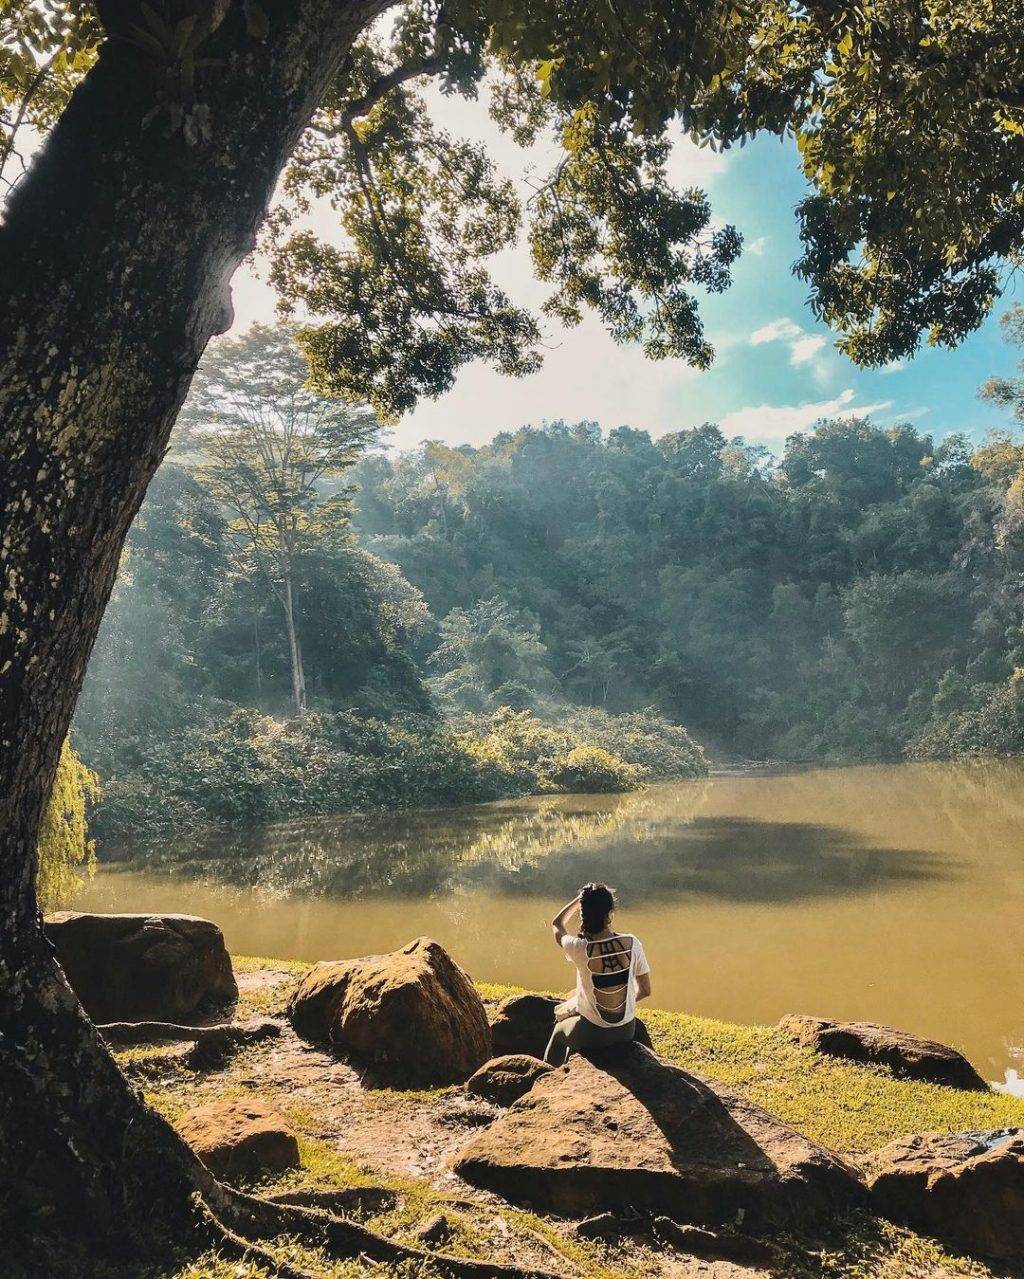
561,1042
557,1049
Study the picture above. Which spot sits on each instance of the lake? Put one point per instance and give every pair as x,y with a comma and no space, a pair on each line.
889,893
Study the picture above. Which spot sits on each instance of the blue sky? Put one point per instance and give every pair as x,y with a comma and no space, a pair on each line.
776,371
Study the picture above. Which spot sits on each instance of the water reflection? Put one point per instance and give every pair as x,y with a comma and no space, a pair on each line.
420,853
731,858
655,845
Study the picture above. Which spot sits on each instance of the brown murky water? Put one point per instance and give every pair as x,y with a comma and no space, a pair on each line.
894,893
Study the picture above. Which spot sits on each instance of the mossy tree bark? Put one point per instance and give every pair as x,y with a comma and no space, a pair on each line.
115,257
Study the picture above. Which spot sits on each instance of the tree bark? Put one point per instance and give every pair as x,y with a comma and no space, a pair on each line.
294,647
115,256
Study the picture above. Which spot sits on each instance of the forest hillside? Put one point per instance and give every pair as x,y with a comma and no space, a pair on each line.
857,597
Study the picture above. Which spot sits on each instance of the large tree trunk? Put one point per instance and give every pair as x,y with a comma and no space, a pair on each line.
114,262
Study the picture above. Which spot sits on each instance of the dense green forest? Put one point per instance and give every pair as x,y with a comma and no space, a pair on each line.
859,596
305,623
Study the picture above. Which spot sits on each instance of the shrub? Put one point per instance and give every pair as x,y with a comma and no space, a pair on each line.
645,738
592,768
64,846
993,725
236,767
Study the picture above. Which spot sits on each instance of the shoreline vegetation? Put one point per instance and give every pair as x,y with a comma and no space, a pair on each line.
341,1125
450,659
248,769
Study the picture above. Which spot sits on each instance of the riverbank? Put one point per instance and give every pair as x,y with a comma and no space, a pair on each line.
855,892
402,1141
240,770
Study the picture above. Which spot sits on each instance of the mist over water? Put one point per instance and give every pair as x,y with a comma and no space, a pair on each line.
887,892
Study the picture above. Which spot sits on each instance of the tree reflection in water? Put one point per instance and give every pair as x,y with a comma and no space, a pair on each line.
652,843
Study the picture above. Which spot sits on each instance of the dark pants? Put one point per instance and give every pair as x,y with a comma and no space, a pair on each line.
576,1034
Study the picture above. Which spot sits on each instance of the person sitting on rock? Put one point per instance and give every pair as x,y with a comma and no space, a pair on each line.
612,973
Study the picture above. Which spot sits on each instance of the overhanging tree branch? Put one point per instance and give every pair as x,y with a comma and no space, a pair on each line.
383,85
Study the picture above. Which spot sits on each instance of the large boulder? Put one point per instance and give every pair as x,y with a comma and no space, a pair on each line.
523,1024
143,967
905,1055
241,1139
626,1130
413,1016
965,1187
503,1080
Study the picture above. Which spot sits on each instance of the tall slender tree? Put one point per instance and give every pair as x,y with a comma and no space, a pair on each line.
268,447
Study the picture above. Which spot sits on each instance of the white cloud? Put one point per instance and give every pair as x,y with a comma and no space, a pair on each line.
894,366
803,347
776,421
781,330
756,247
584,375
898,416
806,348
689,165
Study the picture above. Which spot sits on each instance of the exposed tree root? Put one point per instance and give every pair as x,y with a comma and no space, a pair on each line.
345,1199
145,1032
248,1217
234,1246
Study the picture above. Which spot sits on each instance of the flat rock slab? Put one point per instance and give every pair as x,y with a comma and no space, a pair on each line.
241,1139
503,1080
523,1024
142,967
904,1054
412,1016
629,1131
964,1187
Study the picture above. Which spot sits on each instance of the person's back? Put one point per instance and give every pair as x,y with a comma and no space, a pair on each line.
612,973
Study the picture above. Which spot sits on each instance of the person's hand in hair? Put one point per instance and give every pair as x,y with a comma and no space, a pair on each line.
560,923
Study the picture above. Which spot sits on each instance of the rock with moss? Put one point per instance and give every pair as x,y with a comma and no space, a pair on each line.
503,1080
412,1016
628,1130
908,1056
143,967
241,1139
966,1188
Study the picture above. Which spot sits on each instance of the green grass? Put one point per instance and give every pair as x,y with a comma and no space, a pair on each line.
848,1107
256,963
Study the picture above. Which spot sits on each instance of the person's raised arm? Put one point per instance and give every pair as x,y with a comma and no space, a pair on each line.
559,925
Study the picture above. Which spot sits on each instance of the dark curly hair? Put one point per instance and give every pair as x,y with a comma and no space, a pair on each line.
597,901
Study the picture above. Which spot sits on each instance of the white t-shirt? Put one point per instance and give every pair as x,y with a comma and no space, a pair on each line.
606,973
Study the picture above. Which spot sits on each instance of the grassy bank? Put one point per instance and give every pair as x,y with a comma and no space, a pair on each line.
350,1136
